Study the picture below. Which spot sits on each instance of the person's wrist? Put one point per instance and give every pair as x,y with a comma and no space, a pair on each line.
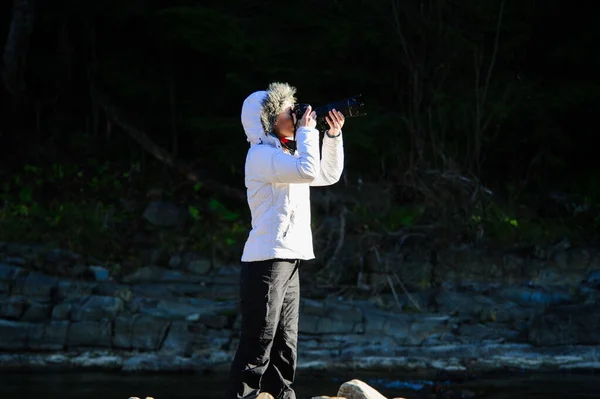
333,136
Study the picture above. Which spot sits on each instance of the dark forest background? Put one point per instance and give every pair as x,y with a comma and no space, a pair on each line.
481,125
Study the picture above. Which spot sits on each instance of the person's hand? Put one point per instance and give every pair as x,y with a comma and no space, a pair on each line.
335,120
309,119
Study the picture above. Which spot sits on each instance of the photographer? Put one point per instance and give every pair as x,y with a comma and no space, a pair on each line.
282,162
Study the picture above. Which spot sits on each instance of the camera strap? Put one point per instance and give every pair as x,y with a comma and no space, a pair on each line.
288,144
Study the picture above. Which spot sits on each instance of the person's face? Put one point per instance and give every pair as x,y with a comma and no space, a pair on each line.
284,125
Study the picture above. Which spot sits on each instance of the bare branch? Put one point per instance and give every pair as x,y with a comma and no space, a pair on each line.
17,45
403,40
341,236
162,154
410,298
389,279
494,53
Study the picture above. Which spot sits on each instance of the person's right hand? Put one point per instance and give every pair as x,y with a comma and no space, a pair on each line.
309,119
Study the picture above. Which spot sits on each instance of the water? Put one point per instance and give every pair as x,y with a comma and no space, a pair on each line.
116,386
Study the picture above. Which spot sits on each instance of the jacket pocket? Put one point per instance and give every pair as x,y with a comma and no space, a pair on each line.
290,222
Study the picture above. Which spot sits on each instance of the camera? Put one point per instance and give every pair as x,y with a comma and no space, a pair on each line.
350,107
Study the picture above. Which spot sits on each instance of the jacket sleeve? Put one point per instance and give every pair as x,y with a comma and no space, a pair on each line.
332,162
279,167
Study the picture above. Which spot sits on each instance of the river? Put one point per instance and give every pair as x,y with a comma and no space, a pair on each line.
165,386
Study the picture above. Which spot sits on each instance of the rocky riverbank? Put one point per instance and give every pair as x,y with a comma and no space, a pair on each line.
184,318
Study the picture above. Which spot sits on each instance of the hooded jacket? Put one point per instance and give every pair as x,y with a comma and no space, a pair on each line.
278,183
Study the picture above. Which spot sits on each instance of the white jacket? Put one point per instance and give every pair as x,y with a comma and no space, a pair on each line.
278,186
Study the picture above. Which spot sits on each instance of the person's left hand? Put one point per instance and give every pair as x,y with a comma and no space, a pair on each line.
335,120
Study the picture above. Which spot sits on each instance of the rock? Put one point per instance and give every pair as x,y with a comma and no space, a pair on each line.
220,292
536,296
561,258
198,266
62,311
149,274
50,336
89,334
193,317
80,272
350,346
492,332
74,289
179,339
593,279
97,361
10,272
406,329
212,339
566,325
122,291
95,308
154,256
202,290
546,277
160,291
174,310
13,307
37,312
39,286
356,389
123,331
4,289
21,336
100,273
152,362
175,261
165,214
230,270
205,310
191,262
464,303
56,256
15,249
327,318
15,260
589,296
139,332
211,321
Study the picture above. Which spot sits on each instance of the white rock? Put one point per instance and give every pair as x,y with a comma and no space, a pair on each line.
357,389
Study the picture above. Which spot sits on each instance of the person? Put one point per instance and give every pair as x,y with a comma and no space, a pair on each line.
280,168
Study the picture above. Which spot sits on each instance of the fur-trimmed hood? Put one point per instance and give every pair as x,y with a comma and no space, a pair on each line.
260,110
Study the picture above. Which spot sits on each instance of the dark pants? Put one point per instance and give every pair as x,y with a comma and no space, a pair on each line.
265,360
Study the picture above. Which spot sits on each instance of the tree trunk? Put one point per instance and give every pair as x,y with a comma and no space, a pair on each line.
17,45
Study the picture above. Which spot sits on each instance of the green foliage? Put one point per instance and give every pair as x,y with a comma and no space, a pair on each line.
64,204
80,207
217,229
402,216
506,226
443,103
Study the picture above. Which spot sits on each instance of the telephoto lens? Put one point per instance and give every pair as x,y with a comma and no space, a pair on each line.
349,107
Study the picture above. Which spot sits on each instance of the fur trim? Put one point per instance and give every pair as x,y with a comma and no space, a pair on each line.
279,96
